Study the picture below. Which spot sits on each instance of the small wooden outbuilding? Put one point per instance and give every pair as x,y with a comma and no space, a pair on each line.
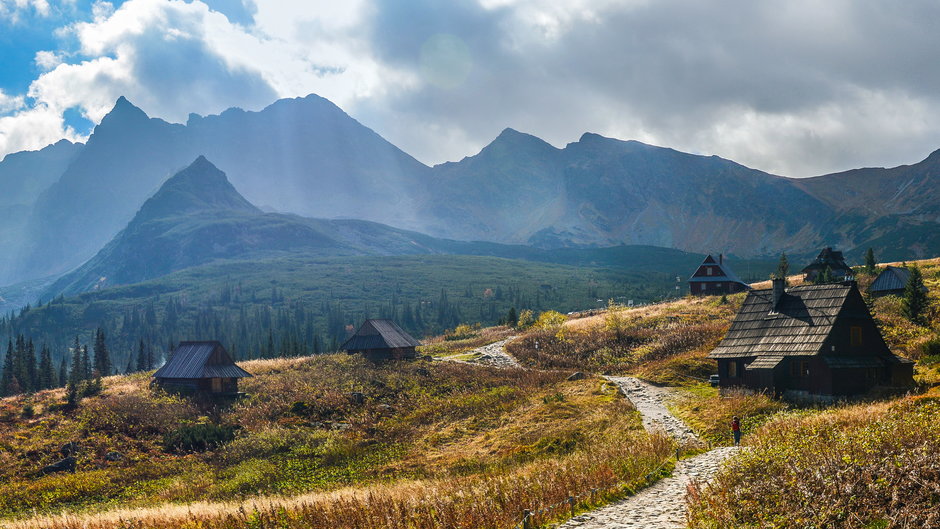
714,278
891,280
382,340
832,259
809,342
200,367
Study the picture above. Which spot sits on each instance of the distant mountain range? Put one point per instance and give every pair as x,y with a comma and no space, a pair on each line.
307,157
198,217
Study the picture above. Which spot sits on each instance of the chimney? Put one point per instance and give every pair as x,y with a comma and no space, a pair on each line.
721,258
779,285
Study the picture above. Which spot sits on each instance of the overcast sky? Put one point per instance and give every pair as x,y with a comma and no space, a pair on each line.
796,88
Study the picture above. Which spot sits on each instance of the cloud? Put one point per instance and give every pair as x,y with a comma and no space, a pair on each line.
799,88
13,9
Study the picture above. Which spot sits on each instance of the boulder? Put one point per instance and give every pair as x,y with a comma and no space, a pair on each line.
357,398
65,465
113,456
577,375
69,449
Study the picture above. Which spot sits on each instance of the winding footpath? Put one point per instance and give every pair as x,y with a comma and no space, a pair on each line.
662,505
494,355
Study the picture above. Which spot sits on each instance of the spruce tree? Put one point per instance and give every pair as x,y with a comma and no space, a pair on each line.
6,378
870,262
142,357
783,268
511,317
102,357
76,371
914,303
86,364
46,371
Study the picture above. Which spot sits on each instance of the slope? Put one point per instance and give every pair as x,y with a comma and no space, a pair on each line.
197,216
301,155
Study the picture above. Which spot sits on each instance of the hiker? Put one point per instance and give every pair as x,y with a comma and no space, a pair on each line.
736,429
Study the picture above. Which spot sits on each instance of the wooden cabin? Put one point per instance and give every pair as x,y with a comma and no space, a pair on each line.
808,342
834,261
714,278
200,367
382,340
891,281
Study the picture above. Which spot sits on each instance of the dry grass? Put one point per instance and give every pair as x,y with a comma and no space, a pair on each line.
665,343
856,467
709,413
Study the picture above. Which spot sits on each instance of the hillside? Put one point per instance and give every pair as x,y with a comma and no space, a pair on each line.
472,441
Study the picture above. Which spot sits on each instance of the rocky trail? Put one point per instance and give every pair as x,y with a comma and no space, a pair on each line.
493,354
662,505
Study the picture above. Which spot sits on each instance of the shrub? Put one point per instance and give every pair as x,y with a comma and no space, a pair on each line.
28,411
551,319
526,319
198,438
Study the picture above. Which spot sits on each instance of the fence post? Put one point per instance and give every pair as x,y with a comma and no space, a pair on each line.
526,524
677,453
571,503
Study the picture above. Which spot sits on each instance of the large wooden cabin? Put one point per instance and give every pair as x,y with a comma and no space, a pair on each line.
200,367
809,342
831,259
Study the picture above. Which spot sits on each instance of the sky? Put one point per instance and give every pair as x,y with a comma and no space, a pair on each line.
796,88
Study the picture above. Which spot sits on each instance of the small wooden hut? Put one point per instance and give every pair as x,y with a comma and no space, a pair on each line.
713,278
809,342
831,259
382,340
200,367
891,280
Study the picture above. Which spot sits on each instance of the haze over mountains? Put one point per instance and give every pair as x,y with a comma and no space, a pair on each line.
306,156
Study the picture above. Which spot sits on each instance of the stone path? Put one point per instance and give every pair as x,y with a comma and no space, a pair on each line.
493,354
650,400
662,505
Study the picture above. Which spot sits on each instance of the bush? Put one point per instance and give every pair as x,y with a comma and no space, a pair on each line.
198,438
28,412
931,350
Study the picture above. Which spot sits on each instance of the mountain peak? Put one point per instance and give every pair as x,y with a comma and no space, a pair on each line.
197,188
123,112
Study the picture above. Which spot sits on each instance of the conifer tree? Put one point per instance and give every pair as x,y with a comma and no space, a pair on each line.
914,302
6,378
870,262
511,317
102,357
76,371
142,357
86,364
783,268
46,371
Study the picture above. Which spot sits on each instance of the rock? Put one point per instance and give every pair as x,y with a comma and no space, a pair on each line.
423,372
69,449
385,409
113,456
341,426
65,465
577,375
357,398
429,358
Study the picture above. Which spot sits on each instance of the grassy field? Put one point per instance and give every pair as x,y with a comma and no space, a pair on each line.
421,440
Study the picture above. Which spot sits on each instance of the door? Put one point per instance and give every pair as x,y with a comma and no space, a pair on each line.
217,385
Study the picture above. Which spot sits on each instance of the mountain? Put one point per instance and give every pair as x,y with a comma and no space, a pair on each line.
197,216
25,175
602,192
896,210
301,155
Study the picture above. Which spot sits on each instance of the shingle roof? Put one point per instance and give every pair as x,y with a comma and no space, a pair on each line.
194,360
379,334
831,258
727,274
890,279
799,324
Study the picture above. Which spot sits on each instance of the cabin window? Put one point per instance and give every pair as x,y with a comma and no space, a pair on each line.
708,270
732,369
799,368
856,334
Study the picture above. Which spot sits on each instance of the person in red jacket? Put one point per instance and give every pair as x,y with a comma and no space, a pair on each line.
736,430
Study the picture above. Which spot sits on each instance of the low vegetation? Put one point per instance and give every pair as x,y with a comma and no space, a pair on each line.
855,467
419,440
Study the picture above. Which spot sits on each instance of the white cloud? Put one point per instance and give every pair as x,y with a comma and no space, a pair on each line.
47,60
13,9
10,103
33,128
